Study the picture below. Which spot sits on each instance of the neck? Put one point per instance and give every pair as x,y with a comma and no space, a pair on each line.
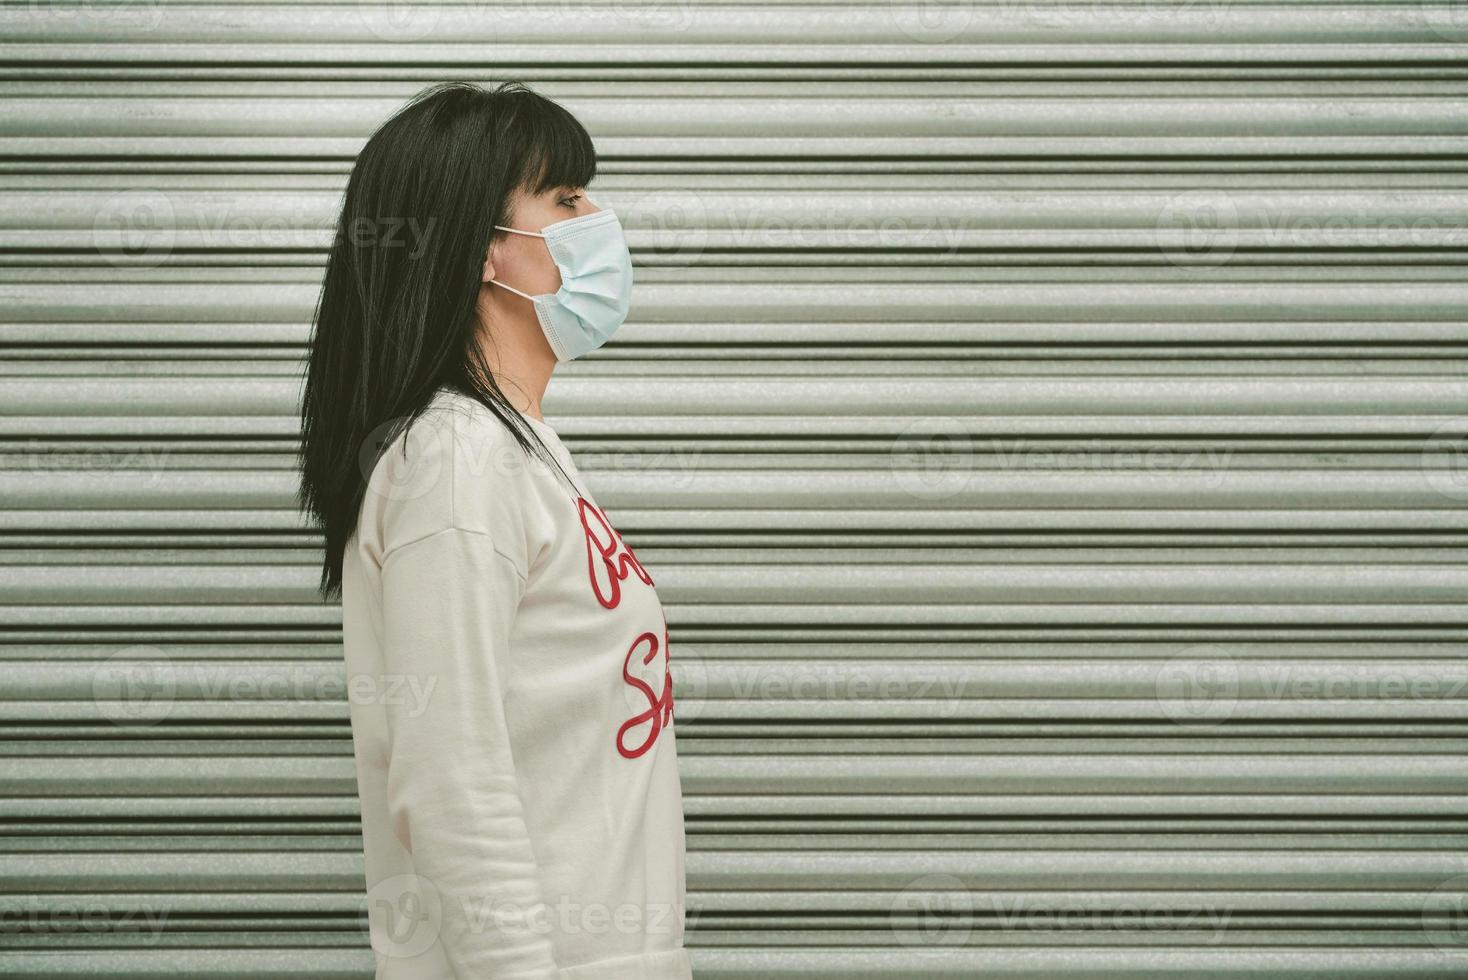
515,348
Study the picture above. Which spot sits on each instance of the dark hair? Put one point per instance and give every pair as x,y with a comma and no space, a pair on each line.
396,319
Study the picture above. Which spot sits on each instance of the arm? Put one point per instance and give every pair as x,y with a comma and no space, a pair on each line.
453,791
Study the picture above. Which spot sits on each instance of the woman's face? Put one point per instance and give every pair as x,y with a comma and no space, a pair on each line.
522,260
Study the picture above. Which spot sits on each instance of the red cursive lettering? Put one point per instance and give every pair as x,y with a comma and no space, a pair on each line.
659,710
615,557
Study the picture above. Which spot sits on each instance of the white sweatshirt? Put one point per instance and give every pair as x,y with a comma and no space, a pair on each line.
511,709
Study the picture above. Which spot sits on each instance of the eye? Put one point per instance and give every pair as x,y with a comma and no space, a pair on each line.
570,202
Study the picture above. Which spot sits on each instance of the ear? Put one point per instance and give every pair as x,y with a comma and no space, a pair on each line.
488,272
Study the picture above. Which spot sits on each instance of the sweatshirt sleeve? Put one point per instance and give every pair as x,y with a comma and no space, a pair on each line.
453,790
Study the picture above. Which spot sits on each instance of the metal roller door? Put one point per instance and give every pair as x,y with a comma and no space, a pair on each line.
1046,421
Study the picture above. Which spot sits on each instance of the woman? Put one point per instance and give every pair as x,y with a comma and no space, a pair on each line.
507,655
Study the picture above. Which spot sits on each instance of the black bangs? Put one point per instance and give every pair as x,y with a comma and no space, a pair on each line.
549,145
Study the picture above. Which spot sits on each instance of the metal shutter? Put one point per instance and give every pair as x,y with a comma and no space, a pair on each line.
1045,420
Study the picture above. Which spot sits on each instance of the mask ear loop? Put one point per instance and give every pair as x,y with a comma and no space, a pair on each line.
512,289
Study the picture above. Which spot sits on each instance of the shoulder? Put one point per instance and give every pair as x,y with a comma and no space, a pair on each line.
456,465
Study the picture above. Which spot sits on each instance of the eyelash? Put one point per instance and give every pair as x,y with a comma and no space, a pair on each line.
573,199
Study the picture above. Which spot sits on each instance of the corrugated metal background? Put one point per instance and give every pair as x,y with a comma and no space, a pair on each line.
1046,421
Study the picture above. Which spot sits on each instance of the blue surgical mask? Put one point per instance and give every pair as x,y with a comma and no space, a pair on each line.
596,282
